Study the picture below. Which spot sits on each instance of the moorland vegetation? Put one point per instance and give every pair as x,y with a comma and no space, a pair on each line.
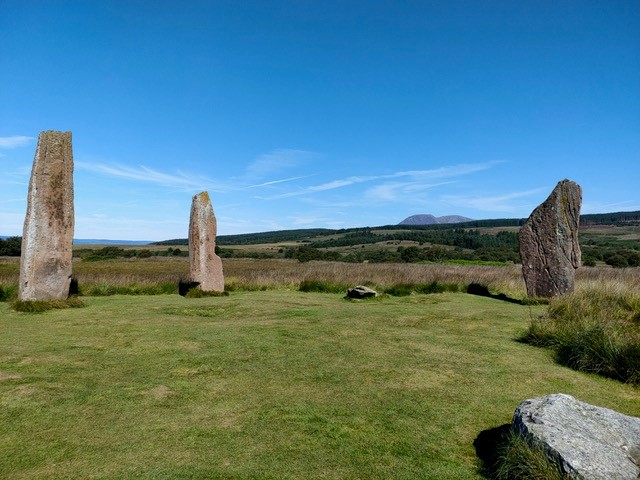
249,371
606,239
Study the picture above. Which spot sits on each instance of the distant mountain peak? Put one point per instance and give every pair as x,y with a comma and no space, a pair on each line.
428,219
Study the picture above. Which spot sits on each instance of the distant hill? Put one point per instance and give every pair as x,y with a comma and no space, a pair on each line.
428,219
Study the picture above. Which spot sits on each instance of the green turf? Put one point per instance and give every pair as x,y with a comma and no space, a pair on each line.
272,384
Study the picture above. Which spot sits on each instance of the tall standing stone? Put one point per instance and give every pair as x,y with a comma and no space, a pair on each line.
47,238
205,267
549,243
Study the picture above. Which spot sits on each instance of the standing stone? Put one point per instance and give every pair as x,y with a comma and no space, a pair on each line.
47,238
588,442
549,243
205,267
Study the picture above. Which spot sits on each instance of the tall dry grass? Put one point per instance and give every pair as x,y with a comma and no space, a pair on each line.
255,274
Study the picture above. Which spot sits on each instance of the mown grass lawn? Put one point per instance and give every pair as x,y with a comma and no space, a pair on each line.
274,385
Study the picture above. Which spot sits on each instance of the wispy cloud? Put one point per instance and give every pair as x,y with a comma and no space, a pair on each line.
419,179
448,171
393,191
14,142
497,203
275,182
600,207
322,187
276,161
180,180
265,164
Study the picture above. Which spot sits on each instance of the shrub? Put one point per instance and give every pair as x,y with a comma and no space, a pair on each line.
596,330
107,289
400,289
404,289
437,287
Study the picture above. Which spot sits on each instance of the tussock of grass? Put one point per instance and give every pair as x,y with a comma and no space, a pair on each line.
438,287
596,330
8,292
399,289
396,289
534,301
39,306
521,458
405,289
238,286
197,293
107,289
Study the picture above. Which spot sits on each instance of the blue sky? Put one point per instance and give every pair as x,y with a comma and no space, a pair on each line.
304,114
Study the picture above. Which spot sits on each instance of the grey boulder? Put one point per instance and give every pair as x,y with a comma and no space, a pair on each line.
360,291
588,442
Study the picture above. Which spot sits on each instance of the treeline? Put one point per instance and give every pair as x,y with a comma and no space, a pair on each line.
175,241
11,247
456,237
112,252
616,218
411,254
274,237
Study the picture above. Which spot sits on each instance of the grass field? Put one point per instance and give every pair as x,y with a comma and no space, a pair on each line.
270,385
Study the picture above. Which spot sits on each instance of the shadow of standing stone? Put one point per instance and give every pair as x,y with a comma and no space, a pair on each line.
185,286
488,445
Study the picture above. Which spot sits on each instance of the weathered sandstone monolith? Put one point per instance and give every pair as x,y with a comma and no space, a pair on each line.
45,264
587,442
205,267
549,243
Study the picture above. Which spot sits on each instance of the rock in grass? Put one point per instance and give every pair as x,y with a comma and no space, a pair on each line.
588,442
45,263
360,291
205,267
549,243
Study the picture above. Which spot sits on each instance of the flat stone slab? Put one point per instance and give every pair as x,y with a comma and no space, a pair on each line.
588,442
